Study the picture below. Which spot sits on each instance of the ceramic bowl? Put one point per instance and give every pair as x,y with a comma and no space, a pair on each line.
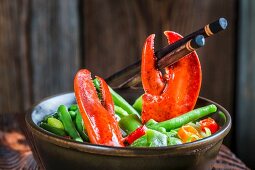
54,152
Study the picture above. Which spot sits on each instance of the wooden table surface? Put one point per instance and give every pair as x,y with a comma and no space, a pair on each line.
15,152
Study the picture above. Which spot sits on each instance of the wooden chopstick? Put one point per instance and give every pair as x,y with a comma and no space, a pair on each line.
124,77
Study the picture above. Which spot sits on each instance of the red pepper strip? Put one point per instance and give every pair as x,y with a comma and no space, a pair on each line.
174,93
98,116
210,124
139,132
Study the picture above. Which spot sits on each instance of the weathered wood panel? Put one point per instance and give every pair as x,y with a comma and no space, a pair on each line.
54,47
109,39
245,118
14,83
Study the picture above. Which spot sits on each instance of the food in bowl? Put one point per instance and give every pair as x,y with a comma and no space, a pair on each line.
162,116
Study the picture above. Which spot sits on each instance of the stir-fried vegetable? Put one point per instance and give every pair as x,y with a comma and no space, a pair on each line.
139,132
130,123
66,119
80,126
153,134
188,133
120,112
138,104
51,129
55,123
210,124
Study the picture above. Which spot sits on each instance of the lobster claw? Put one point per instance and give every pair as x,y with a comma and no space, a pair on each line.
174,93
98,116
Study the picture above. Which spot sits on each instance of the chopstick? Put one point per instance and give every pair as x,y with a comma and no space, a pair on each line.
206,31
124,77
182,51
171,58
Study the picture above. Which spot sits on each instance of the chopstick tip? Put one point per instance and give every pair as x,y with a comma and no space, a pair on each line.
223,23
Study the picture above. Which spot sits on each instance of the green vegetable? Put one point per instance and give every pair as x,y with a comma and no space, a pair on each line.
72,114
118,100
55,115
54,130
173,141
66,119
222,118
130,123
192,137
73,107
45,119
120,112
161,129
80,126
172,133
55,123
140,142
208,131
155,138
150,122
138,104
185,118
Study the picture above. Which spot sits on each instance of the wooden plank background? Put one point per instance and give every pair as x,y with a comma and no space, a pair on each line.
44,42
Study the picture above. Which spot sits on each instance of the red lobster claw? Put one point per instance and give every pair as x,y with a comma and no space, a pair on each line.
98,116
175,93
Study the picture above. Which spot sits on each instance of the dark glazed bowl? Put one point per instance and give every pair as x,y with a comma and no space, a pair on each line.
55,152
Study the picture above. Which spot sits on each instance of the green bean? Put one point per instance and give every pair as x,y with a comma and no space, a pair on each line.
185,118
66,119
54,130
130,123
45,119
73,107
150,122
162,130
222,118
55,123
80,126
120,112
118,100
72,114
138,104
172,133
